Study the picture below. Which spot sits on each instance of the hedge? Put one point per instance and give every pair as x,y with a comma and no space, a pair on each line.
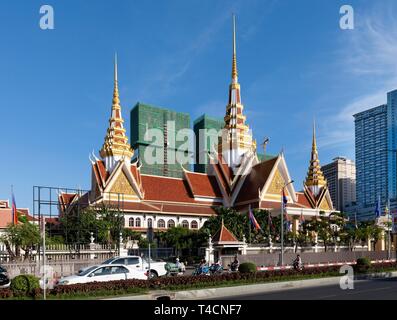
187,282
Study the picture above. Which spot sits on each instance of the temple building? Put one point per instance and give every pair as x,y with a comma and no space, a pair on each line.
235,176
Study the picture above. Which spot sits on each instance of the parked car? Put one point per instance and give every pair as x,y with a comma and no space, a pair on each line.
4,278
103,273
157,269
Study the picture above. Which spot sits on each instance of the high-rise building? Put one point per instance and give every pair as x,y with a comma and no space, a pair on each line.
373,129
206,131
341,179
159,156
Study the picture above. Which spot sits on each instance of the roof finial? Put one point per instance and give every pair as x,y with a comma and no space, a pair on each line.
314,142
315,176
116,99
234,63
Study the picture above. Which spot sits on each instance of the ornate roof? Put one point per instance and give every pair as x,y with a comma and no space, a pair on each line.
315,176
116,140
224,235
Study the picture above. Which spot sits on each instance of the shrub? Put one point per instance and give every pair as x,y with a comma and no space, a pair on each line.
24,284
247,267
362,265
5,293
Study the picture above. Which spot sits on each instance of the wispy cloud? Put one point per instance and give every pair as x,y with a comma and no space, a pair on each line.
173,67
369,59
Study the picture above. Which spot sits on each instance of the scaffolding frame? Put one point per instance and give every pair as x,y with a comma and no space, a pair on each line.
47,205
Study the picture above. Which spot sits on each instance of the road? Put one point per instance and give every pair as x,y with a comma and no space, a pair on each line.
380,289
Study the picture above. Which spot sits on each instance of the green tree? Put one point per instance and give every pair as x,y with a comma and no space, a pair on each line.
239,224
104,222
23,236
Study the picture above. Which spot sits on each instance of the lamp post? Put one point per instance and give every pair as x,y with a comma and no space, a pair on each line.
282,220
392,216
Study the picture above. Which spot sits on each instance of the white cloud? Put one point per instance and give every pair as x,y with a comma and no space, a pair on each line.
370,58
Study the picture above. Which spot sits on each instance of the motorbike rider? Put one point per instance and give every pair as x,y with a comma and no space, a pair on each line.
202,265
298,263
235,264
178,264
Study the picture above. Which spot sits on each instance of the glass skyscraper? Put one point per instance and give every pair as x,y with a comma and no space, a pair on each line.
375,135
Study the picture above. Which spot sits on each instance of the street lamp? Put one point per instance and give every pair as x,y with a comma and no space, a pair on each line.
392,217
282,220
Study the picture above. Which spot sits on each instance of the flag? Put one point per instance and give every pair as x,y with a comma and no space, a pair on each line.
302,218
301,221
378,211
14,210
253,221
355,220
288,225
285,200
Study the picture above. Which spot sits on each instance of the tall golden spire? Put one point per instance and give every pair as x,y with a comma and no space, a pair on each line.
234,61
315,177
116,144
237,138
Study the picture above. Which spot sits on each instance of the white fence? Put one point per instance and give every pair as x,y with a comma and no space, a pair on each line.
62,252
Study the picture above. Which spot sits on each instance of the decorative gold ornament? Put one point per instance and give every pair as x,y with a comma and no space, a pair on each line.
116,141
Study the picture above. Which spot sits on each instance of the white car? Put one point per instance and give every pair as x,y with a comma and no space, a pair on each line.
157,269
103,273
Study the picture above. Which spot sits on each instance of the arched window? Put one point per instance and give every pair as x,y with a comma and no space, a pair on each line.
138,222
149,223
171,223
185,224
194,224
161,223
131,222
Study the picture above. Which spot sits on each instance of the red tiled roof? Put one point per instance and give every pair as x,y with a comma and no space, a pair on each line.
102,170
136,174
5,217
224,235
227,171
166,189
255,180
203,185
302,200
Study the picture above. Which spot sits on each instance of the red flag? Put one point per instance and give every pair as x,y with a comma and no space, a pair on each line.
14,210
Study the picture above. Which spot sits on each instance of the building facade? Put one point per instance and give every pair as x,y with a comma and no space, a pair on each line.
236,178
206,130
376,137
341,180
169,149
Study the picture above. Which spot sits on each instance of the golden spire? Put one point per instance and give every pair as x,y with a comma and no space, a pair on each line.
315,177
116,141
234,62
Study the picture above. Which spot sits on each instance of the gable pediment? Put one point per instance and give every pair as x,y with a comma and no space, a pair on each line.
122,185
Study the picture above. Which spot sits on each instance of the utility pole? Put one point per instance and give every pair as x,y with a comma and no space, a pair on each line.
282,221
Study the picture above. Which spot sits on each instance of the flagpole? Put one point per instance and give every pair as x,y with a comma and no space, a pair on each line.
282,221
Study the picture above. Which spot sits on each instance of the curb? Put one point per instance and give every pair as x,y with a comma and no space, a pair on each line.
328,264
222,293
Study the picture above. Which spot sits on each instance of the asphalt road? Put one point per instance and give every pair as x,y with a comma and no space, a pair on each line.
380,289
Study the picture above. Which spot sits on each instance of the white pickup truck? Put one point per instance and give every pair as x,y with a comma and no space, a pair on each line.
157,269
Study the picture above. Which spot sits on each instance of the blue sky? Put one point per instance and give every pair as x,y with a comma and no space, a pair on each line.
294,61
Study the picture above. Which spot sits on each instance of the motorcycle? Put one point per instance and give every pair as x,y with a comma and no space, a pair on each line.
216,268
175,270
202,270
233,267
298,266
